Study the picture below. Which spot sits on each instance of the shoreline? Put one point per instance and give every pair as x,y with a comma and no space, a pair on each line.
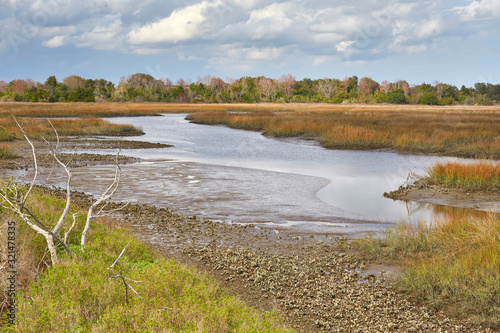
447,196
314,281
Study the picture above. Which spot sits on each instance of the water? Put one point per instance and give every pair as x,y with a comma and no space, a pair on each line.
241,176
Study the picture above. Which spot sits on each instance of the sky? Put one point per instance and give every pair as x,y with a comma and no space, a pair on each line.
455,42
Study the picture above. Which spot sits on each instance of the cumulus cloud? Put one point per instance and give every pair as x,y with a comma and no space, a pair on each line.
181,25
244,33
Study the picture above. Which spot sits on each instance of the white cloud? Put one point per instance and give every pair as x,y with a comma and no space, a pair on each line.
106,37
181,25
479,10
54,42
270,21
344,46
429,28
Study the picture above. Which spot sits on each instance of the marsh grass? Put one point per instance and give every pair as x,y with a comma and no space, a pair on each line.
93,110
452,264
5,135
454,132
38,128
471,177
6,152
78,296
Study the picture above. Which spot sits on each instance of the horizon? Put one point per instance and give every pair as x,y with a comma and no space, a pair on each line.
453,42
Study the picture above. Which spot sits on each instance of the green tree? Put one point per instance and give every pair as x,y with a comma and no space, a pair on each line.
397,97
428,98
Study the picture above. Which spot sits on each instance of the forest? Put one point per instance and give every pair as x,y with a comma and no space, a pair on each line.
209,89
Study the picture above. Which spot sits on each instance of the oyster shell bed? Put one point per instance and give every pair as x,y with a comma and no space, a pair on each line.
313,281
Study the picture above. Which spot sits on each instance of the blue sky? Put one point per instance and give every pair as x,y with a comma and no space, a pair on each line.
456,42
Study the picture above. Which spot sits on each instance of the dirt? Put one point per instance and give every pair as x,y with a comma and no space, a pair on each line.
314,281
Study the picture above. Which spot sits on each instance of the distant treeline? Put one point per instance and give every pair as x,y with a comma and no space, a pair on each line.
209,89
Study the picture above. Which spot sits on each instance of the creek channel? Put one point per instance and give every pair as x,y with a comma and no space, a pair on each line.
239,176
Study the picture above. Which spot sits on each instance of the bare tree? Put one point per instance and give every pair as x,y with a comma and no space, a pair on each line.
328,87
14,198
286,83
268,88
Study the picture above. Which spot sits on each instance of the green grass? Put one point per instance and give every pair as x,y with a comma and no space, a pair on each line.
77,295
453,264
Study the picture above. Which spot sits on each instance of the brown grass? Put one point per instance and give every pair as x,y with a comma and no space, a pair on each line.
465,132
141,109
477,176
36,128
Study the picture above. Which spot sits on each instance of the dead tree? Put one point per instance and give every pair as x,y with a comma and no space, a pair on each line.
14,198
108,193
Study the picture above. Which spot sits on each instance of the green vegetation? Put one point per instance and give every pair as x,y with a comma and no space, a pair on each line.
447,132
4,135
208,89
453,264
79,295
484,176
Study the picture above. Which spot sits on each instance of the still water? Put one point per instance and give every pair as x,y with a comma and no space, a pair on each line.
240,176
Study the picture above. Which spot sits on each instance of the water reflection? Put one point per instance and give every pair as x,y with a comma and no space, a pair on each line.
242,176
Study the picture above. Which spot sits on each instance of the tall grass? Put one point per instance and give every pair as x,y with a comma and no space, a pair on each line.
471,177
36,128
78,295
455,133
453,264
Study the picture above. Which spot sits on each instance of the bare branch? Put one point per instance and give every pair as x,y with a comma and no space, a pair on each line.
35,162
71,228
113,265
54,150
125,284
108,193
53,234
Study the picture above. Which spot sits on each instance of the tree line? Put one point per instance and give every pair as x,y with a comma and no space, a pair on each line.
209,89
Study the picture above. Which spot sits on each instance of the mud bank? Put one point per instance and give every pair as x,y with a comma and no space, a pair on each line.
440,195
315,281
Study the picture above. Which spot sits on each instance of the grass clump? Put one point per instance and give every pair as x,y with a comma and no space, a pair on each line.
4,135
483,176
6,152
453,264
78,295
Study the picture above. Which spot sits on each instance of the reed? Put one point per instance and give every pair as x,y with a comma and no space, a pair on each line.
471,177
